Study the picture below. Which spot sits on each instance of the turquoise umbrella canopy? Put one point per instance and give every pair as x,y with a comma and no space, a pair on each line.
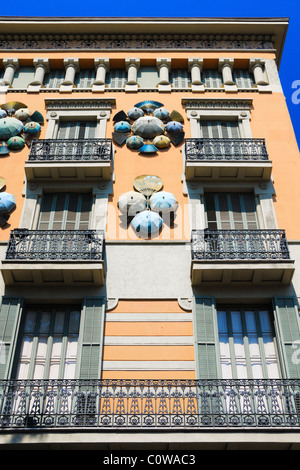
163,201
134,142
147,223
9,127
32,127
15,143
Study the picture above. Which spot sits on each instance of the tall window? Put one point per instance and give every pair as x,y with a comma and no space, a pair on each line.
243,78
77,130
217,129
247,343
180,78
84,78
230,211
65,211
54,78
48,343
116,78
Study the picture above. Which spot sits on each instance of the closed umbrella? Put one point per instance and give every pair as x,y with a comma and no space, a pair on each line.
163,202
9,127
147,223
148,127
131,203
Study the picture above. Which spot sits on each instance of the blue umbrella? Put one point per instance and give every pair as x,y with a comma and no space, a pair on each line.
134,142
7,203
122,126
163,202
32,127
161,113
174,127
147,223
135,113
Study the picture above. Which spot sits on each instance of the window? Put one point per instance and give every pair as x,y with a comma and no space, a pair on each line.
180,78
219,129
116,78
54,78
48,342
247,343
230,211
84,78
243,78
65,211
76,129
212,78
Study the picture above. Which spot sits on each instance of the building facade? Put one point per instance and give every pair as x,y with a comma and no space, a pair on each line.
150,246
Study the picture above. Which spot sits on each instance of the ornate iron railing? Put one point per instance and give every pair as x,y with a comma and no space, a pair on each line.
80,150
239,245
164,404
55,245
226,150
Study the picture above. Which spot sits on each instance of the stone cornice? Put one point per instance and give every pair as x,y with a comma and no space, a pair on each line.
133,42
79,103
217,103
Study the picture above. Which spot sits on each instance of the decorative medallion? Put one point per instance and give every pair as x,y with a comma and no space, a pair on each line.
18,126
148,127
146,205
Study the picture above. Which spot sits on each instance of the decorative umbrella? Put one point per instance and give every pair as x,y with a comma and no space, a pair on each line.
9,127
131,203
174,127
122,126
161,113
2,113
32,127
163,202
147,223
16,143
148,106
161,141
4,150
135,113
22,114
12,106
7,203
134,142
148,127
147,184
148,148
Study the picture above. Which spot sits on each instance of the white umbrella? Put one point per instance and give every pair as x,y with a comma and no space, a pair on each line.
132,202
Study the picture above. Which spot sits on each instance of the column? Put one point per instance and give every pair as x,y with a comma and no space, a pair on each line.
102,67
11,66
195,67
163,66
132,65
257,67
226,66
41,68
72,66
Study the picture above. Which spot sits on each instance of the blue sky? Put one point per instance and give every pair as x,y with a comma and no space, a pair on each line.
290,64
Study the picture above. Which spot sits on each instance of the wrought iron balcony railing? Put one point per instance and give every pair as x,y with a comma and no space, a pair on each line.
55,245
204,149
239,245
80,150
160,404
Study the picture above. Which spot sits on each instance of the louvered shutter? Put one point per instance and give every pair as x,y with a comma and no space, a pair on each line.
116,78
92,338
180,78
65,211
10,314
84,78
243,78
205,335
212,78
216,129
288,335
54,78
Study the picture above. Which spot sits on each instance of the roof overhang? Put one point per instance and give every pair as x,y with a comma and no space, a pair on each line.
275,27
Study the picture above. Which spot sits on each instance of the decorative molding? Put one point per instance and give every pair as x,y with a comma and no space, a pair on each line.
186,303
92,42
79,103
217,103
111,303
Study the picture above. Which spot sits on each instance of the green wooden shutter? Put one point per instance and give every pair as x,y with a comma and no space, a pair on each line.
206,338
9,322
288,335
92,338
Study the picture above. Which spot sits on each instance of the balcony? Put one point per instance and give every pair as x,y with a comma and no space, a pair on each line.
241,257
189,405
69,159
62,257
227,159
